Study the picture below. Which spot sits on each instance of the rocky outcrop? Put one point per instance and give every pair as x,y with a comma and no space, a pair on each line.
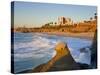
62,60
94,51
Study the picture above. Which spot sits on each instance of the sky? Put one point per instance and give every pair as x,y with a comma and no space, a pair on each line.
32,14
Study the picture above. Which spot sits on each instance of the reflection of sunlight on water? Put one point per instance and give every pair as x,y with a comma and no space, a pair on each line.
41,46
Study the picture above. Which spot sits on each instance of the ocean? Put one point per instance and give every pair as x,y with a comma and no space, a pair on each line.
32,49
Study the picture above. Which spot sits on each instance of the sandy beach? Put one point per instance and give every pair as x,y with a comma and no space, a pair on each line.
87,35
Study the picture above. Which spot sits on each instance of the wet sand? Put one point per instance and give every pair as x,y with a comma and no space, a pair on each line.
87,35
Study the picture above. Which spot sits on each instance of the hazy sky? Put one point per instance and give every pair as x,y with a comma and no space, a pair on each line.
36,14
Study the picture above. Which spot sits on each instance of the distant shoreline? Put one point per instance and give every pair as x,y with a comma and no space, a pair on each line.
87,35
82,35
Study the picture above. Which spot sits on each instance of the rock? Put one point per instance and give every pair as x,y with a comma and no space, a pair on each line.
61,48
94,51
62,60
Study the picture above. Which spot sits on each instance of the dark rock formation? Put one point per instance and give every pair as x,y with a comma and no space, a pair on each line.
62,61
94,51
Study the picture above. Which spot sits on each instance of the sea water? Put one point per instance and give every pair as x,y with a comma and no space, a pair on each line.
33,49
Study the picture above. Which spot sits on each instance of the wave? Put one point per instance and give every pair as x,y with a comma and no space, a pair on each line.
39,47
42,46
32,49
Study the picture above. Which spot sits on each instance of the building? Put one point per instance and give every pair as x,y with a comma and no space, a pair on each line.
64,21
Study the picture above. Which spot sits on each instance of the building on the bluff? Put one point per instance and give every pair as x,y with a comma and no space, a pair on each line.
64,21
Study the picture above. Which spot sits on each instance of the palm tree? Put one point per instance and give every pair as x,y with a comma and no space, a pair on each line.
55,23
51,23
84,21
95,16
91,18
95,13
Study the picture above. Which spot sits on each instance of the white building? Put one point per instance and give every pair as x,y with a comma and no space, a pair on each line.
64,21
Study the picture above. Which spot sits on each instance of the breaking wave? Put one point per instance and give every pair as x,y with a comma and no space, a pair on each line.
39,48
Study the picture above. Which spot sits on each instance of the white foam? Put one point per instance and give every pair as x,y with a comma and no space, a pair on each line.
85,57
41,47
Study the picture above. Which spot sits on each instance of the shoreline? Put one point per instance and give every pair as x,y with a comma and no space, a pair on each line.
87,35
82,35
